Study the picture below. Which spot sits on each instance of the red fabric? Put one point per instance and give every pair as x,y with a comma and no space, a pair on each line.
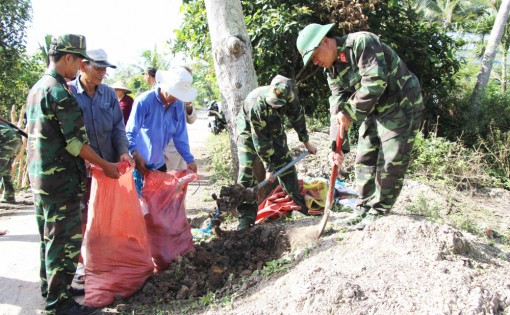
126,103
279,204
167,225
115,248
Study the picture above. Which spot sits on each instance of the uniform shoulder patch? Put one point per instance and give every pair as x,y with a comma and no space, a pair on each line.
342,57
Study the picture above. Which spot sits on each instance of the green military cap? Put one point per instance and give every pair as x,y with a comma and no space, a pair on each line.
71,43
309,39
280,91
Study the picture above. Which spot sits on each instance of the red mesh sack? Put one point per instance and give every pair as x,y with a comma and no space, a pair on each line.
167,226
115,247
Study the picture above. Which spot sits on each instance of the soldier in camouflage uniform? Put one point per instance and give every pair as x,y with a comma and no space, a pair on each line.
370,84
10,141
261,132
57,145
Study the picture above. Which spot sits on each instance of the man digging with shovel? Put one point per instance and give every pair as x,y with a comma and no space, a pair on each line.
261,133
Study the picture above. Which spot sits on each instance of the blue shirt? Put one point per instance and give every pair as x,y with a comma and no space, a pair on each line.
103,120
150,127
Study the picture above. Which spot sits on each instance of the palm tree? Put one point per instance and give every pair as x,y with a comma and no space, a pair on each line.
154,59
494,40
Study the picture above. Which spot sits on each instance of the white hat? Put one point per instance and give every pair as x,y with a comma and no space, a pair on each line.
177,82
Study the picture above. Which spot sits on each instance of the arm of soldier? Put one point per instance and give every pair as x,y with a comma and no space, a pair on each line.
72,126
368,53
191,113
296,115
109,169
261,140
338,111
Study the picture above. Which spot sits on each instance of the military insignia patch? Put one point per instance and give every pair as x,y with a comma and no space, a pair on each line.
342,57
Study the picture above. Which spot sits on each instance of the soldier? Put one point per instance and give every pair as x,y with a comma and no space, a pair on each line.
10,141
57,145
261,132
371,85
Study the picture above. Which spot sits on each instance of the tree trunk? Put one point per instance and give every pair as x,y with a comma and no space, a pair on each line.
233,62
490,52
503,72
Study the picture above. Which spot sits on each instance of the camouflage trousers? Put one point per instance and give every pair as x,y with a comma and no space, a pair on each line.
288,179
10,142
381,163
59,225
6,183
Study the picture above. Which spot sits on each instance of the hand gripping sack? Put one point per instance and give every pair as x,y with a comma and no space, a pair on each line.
167,225
117,254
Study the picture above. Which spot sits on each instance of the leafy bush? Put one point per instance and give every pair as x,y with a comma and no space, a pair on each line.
435,158
497,145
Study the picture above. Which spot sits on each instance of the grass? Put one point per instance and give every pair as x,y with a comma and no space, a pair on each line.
276,266
424,207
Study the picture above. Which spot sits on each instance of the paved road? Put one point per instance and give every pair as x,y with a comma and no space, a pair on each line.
19,249
19,262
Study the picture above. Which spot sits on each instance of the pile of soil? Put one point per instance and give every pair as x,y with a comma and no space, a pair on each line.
400,265
217,265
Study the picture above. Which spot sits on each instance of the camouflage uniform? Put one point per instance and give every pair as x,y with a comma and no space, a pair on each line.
261,132
371,85
56,136
10,141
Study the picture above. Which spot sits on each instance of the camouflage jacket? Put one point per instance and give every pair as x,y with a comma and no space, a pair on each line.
369,79
56,136
265,125
10,141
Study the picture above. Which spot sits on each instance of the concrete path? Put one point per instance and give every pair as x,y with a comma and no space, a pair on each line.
19,262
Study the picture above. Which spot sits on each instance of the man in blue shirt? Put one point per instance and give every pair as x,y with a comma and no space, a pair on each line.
157,117
101,109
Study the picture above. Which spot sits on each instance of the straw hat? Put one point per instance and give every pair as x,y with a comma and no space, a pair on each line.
120,86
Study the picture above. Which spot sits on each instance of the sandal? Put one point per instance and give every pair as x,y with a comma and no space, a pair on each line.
79,275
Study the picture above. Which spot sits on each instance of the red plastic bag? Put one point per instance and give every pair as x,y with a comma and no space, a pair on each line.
116,248
167,225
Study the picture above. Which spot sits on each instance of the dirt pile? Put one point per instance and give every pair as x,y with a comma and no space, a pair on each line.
217,265
399,265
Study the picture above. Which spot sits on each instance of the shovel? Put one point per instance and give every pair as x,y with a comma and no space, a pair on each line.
337,146
281,170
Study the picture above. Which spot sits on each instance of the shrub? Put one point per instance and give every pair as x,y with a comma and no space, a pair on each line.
435,158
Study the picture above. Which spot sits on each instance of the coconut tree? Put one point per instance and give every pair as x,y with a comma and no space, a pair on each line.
494,40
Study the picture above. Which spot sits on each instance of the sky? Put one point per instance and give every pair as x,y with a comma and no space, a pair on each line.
123,28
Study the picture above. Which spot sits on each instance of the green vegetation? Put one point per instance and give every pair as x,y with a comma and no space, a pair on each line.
220,159
275,267
423,206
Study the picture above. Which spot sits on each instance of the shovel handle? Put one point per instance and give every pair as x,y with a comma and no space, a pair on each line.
281,170
337,145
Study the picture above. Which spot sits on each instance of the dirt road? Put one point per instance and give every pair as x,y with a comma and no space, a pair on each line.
19,248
